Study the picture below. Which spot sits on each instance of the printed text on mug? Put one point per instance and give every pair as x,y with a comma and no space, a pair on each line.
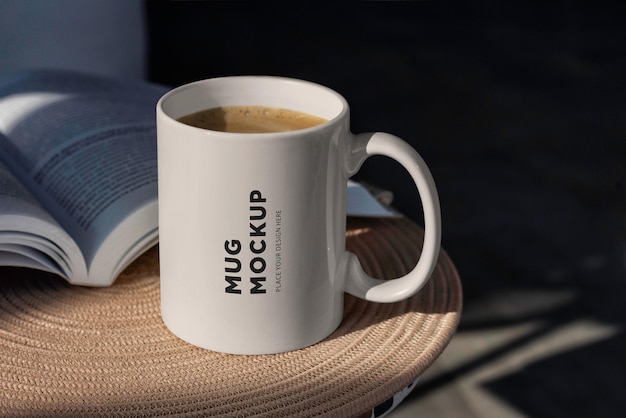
233,266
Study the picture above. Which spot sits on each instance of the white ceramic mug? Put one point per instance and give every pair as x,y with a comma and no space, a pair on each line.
252,226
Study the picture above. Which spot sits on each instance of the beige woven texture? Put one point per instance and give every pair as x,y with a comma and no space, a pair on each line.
76,351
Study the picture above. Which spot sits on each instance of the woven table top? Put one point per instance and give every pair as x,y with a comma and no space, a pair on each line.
75,351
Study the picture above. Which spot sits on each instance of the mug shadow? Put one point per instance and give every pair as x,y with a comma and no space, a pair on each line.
388,248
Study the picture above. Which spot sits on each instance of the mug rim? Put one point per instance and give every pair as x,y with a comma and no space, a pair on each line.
342,111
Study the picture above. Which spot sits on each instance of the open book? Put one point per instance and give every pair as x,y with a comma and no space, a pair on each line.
78,173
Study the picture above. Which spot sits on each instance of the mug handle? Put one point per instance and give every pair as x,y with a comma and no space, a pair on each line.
359,283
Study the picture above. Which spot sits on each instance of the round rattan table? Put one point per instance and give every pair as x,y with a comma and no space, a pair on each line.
75,351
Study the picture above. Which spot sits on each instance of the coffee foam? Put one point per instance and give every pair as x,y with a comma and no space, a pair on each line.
251,119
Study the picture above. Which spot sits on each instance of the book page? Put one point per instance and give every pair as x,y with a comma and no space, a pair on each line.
86,149
29,236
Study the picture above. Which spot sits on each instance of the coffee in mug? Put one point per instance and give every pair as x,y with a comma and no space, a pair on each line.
252,225
250,119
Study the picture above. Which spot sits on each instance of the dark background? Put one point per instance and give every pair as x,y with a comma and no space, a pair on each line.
521,115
